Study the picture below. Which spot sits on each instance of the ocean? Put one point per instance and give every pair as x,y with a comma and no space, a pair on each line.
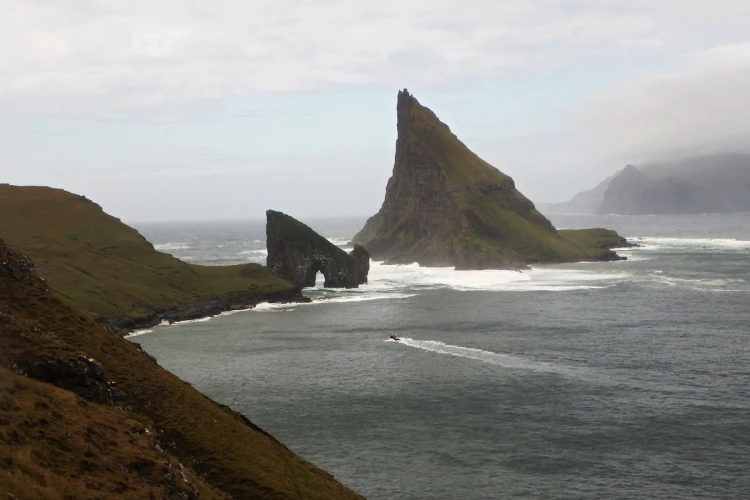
614,380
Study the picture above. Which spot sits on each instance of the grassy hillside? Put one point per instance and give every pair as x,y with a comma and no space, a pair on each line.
106,268
54,445
53,442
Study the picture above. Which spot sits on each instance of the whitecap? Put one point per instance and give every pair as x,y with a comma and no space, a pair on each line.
339,241
657,243
188,321
172,246
137,333
354,297
260,251
384,277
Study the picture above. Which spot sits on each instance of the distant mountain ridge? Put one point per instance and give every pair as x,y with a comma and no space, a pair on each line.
706,184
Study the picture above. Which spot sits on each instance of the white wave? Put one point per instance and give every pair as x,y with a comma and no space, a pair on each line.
257,241
172,246
269,306
188,321
490,357
260,251
358,297
554,278
339,241
670,280
658,243
137,333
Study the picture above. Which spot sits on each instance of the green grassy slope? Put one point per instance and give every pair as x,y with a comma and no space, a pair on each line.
106,268
228,452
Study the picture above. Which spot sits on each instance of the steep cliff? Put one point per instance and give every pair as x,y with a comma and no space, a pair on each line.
296,253
445,206
85,413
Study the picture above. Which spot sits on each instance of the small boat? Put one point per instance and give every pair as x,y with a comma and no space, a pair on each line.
395,337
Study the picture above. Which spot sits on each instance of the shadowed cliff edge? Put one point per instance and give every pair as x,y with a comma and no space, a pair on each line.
445,206
85,413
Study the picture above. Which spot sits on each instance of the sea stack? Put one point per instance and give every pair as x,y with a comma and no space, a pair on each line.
445,206
296,253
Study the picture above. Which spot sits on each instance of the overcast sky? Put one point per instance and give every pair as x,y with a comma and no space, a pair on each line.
187,110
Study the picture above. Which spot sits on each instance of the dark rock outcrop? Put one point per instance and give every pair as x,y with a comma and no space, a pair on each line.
296,253
80,374
445,206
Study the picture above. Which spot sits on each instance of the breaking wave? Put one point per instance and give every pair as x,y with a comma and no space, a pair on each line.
171,246
713,244
388,277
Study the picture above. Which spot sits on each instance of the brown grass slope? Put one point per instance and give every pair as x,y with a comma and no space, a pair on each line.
103,267
54,444
444,206
45,338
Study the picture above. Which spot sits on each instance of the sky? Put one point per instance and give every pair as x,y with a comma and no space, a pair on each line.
194,110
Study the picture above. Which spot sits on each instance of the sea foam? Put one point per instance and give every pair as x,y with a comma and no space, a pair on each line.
389,277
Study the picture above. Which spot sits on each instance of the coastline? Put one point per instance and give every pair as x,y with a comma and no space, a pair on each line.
203,308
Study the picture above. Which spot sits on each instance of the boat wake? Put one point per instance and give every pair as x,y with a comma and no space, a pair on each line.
490,357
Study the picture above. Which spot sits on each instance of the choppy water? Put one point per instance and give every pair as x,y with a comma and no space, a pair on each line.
600,380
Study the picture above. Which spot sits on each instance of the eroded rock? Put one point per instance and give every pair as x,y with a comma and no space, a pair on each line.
297,253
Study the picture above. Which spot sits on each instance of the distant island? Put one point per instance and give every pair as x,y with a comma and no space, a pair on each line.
445,206
705,184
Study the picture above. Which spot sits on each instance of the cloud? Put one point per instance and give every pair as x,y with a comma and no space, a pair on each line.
701,111
138,55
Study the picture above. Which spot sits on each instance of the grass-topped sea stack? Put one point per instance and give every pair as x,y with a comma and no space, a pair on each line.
445,206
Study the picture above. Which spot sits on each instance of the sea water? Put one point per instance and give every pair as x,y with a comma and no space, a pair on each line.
592,380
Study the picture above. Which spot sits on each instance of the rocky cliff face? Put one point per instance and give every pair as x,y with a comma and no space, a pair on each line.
445,206
296,253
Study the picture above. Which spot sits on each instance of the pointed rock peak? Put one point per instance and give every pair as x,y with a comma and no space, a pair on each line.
405,98
631,172
405,105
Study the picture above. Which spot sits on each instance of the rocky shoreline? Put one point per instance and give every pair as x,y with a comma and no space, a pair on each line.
123,325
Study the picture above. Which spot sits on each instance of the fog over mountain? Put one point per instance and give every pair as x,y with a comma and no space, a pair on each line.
704,184
656,118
